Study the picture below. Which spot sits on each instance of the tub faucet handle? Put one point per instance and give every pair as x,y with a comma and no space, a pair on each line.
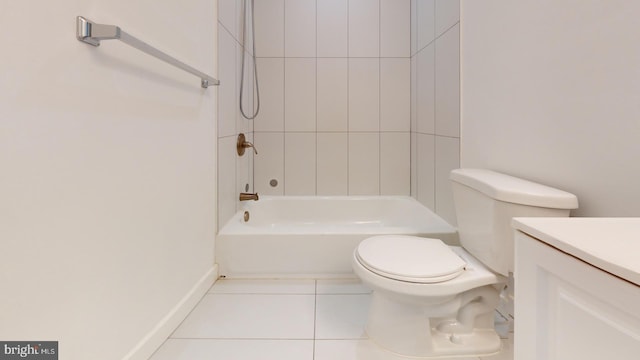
242,144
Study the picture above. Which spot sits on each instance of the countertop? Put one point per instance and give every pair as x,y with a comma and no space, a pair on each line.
611,244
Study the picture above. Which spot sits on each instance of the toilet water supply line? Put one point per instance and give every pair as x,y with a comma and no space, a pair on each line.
255,68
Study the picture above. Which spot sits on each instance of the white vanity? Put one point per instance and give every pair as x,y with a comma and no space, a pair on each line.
577,288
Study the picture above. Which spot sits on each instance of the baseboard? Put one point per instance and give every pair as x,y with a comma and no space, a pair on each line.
154,339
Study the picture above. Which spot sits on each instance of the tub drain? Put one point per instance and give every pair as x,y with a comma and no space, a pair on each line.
246,216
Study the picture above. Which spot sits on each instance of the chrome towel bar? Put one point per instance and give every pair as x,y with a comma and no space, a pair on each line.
91,33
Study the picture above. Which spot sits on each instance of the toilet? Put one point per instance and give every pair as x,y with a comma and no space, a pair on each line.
434,300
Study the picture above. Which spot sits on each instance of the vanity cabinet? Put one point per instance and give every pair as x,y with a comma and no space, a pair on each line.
577,289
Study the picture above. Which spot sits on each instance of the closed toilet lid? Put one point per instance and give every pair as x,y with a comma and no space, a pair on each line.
410,258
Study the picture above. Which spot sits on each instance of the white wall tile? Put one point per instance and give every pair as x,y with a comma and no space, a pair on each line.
300,163
271,82
227,91
447,116
300,28
300,94
244,28
447,159
332,94
395,163
322,89
395,94
426,22
227,15
332,28
243,125
395,28
269,163
414,27
332,164
227,195
447,14
426,90
248,89
364,164
364,114
414,93
269,20
426,170
414,165
364,28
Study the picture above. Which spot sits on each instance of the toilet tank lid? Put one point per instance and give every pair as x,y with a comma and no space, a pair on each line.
514,190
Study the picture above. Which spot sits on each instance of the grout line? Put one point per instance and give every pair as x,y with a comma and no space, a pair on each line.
379,97
379,126
315,191
238,338
315,318
263,293
335,57
435,38
243,339
435,105
282,182
348,131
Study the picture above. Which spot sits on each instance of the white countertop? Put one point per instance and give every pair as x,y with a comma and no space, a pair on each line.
611,244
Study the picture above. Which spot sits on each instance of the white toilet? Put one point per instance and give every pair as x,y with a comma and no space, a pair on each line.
434,300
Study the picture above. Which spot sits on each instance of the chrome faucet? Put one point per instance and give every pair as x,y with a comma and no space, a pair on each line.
249,196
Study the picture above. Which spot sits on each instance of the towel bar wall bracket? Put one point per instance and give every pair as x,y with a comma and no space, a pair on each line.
91,33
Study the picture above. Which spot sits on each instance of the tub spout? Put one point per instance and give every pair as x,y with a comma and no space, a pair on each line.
249,196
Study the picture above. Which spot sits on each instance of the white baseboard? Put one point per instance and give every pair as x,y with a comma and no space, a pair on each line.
154,339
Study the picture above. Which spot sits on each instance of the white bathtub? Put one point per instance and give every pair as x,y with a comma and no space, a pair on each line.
314,236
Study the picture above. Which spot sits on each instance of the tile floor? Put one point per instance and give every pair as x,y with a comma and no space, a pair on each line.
283,320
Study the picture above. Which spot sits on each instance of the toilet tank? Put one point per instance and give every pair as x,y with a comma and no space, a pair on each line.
486,201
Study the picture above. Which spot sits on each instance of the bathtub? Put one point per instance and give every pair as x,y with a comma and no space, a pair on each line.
314,236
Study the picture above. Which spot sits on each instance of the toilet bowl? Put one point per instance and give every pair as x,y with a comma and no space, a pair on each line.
431,314
430,299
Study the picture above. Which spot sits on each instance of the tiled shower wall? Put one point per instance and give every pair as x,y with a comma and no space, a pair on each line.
334,81
356,97
234,172
435,102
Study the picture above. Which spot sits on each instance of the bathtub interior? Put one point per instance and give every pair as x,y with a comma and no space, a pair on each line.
314,237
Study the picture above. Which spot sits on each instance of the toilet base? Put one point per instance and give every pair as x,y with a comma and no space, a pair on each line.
459,326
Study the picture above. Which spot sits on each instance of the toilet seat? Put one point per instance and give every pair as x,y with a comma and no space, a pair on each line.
410,258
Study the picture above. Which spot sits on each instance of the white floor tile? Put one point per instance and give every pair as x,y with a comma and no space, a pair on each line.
207,349
235,316
274,319
341,316
233,286
342,286
351,350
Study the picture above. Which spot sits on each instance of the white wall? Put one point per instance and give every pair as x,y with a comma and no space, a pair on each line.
551,92
107,185
335,97
435,101
234,172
